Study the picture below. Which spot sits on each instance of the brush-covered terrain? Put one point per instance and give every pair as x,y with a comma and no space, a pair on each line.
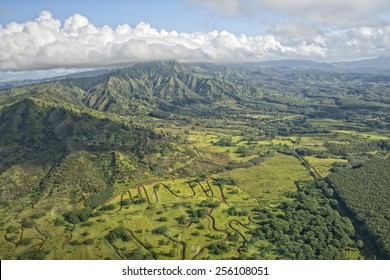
164,160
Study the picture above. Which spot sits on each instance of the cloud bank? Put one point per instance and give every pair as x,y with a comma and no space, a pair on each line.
47,43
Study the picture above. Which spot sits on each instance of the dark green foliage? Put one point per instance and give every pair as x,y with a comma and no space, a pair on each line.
234,237
25,241
232,211
77,216
138,254
224,181
33,254
127,202
211,203
99,198
140,201
12,229
306,227
74,243
160,230
358,147
224,141
59,222
162,219
37,215
196,214
218,249
107,207
118,233
261,158
27,223
182,220
243,151
88,241
366,192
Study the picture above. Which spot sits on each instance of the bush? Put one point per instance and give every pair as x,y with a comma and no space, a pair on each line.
34,254
209,203
125,202
218,249
77,216
107,207
140,201
160,230
25,241
182,220
162,219
88,241
26,223
12,229
37,215
118,233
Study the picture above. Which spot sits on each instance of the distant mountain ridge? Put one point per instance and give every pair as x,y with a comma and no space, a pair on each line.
372,65
84,74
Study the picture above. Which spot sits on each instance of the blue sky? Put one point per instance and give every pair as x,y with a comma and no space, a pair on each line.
179,15
72,34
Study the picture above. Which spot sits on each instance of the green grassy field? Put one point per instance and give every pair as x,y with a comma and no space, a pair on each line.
269,182
191,221
323,165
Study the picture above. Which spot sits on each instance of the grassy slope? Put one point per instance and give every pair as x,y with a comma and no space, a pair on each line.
271,180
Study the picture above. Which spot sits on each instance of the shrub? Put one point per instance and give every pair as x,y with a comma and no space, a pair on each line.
118,233
160,230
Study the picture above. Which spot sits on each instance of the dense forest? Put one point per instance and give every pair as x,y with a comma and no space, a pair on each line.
307,227
365,191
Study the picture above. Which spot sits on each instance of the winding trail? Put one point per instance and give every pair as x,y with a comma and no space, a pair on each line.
239,233
252,220
206,192
68,238
140,243
146,194
182,243
213,227
44,235
175,194
16,243
116,250
223,197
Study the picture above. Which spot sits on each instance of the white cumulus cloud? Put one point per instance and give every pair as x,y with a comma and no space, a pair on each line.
47,43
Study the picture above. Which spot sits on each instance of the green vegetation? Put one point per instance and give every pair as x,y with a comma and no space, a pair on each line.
178,161
307,227
365,191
